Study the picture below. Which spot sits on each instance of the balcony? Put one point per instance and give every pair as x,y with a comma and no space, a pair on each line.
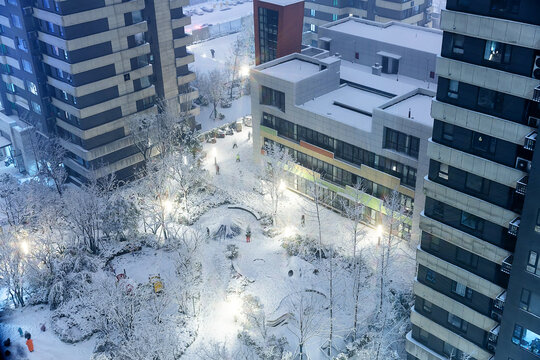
513,227
493,337
530,140
500,300
536,94
521,185
506,266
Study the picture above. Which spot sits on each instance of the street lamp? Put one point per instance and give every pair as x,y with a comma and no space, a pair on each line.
244,70
25,248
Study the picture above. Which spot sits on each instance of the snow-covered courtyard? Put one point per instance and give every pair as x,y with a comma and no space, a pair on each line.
257,289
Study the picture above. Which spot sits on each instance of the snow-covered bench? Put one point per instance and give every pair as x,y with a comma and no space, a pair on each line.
252,212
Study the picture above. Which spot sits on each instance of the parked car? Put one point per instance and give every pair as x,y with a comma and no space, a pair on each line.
229,131
201,101
220,133
247,120
225,104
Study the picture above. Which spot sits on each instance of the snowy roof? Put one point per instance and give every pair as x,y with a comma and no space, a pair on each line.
349,105
292,70
420,106
414,37
391,83
282,2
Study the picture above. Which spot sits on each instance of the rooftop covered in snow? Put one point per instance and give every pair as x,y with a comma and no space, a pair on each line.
396,33
292,70
418,106
282,2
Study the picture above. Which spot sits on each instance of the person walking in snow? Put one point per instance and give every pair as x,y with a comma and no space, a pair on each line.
213,52
303,220
249,135
20,332
30,345
235,145
237,157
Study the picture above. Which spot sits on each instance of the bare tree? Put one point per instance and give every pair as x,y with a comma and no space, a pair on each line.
353,209
212,86
306,309
51,160
233,64
276,165
13,266
141,128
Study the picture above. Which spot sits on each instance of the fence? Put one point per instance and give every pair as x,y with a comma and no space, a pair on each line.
221,29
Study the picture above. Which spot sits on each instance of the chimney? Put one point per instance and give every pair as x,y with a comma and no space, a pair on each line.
376,69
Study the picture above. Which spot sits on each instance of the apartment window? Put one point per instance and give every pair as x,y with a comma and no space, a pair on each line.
21,44
66,55
400,142
430,276
16,21
484,143
46,4
452,352
10,87
27,66
489,99
476,183
524,299
50,26
497,52
427,306
137,16
457,322
532,263
448,131
503,6
139,38
335,2
273,97
471,221
461,290
526,339
334,17
268,34
357,55
424,336
443,171
466,258
435,243
145,82
312,27
453,88
312,12
57,6
12,2
438,209
65,95
30,86
55,50
61,31
36,107
458,44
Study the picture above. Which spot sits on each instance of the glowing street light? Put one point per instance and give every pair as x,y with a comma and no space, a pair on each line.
168,205
282,185
244,70
25,248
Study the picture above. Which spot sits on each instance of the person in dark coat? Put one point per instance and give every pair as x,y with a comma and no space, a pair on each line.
20,332
7,342
27,335
213,52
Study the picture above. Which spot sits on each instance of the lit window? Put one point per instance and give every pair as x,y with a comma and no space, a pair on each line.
526,339
532,263
136,16
334,17
36,107
31,87
443,171
50,26
312,12
461,290
26,66
55,50
46,4
497,52
312,27
16,21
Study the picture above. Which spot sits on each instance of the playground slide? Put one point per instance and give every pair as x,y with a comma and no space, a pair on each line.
282,320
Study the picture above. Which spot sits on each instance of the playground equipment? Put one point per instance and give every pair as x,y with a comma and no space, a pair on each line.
157,284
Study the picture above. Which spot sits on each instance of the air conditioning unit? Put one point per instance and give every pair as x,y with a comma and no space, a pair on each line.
536,68
28,10
491,347
534,121
523,164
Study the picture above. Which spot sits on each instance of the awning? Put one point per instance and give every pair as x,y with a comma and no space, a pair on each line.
389,55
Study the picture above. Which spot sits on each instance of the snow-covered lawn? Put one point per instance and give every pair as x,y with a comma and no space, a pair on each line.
262,268
223,11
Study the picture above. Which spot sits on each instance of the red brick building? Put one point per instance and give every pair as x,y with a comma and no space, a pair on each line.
278,28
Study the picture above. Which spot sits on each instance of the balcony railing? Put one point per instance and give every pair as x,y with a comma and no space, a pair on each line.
513,227
500,300
493,337
530,140
506,266
521,185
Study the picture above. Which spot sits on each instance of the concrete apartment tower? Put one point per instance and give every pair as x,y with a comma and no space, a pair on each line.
78,69
478,276
317,13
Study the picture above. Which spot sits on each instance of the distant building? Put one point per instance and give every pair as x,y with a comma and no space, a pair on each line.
318,13
79,69
278,28
477,285
398,48
350,122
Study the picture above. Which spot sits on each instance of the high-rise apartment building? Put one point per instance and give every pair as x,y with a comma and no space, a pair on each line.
478,273
317,13
78,69
278,28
